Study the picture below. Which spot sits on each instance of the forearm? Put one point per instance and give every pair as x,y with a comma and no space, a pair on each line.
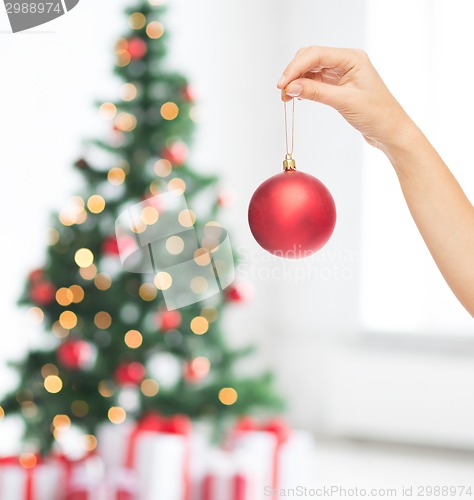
441,210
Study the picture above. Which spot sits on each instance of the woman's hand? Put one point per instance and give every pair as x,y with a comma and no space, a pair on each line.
346,80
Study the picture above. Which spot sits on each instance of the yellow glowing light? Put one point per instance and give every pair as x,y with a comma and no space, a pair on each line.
103,320
116,176
155,30
155,188
177,184
59,331
108,111
228,396
96,204
61,421
133,339
202,257
64,296
169,110
35,315
211,223
137,21
137,226
53,384
150,215
103,281
156,2
90,442
148,292
77,293
88,273
84,257
210,313
199,284
53,236
106,389
174,245
79,408
123,58
28,460
126,122
163,280
199,325
81,217
66,218
163,168
128,92
68,320
186,218
2,413
150,387
49,369
117,415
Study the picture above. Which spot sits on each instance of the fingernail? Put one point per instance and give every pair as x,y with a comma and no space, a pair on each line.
281,81
294,90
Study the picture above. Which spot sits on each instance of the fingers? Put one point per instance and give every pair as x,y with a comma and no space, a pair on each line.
315,58
326,93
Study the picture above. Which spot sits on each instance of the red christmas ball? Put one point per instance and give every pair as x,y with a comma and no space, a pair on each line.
129,373
292,214
110,246
42,292
75,354
189,94
196,370
239,293
168,320
36,275
137,48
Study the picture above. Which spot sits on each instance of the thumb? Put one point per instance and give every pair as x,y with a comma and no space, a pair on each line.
332,95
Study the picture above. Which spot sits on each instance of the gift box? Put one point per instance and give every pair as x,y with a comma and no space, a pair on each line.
156,450
228,478
280,458
28,477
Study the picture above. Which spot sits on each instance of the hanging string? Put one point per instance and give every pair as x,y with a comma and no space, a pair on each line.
289,151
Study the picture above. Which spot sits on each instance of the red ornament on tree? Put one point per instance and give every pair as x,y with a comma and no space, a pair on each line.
196,370
42,292
176,153
292,214
110,246
238,293
168,320
137,48
75,354
189,94
129,373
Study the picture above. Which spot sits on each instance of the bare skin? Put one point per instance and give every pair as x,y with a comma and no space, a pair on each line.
346,80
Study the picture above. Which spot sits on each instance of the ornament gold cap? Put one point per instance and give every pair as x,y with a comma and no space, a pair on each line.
289,163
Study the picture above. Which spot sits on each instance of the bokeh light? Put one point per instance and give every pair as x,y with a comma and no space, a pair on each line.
90,442
210,313
84,257
35,315
186,218
200,366
137,21
147,292
174,245
199,284
102,320
64,296
133,339
117,415
79,408
126,122
103,281
155,30
178,185
68,320
169,110
199,325
150,215
116,176
77,293
61,422
96,204
53,384
106,389
28,460
2,413
49,369
128,92
163,280
163,168
202,257
228,396
108,111
88,273
149,387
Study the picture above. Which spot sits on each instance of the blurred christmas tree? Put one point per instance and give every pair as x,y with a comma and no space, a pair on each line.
112,350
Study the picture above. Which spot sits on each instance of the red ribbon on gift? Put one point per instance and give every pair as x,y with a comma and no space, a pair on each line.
68,465
239,487
29,469
154,422
278,428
